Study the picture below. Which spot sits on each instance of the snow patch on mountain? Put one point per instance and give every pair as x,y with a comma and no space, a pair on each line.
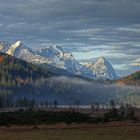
64,60
102,69
19,50
13,47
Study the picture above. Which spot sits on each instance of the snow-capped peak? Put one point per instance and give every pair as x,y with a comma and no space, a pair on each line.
101,59
51,51
17,43
102,69
68,56
13,47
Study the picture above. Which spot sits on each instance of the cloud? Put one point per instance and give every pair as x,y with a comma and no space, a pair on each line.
96,8
77,25
135,62
136,30
76,89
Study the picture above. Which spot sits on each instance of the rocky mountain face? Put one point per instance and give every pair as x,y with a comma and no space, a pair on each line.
102,69
64,60
56,57
19,50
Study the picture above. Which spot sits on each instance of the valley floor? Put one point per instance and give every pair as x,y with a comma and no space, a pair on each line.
104,131
108,132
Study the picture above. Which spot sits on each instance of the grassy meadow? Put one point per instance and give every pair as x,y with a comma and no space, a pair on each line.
105,133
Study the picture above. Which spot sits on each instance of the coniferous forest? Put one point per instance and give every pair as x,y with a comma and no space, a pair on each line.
27,82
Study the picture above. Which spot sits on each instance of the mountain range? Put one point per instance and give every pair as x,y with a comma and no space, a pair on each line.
19,79
57,60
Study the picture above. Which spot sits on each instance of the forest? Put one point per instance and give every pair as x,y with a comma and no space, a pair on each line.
22,80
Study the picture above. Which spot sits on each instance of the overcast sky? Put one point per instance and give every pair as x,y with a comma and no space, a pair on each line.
88,28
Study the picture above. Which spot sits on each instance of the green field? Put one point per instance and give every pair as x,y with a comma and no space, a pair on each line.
107,133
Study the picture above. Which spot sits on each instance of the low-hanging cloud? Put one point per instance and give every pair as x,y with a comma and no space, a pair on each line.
68,90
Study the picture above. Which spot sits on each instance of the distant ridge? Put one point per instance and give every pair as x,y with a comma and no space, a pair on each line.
56,58
133,79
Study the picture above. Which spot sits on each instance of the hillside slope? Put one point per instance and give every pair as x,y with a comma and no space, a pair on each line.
14,71
133,79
